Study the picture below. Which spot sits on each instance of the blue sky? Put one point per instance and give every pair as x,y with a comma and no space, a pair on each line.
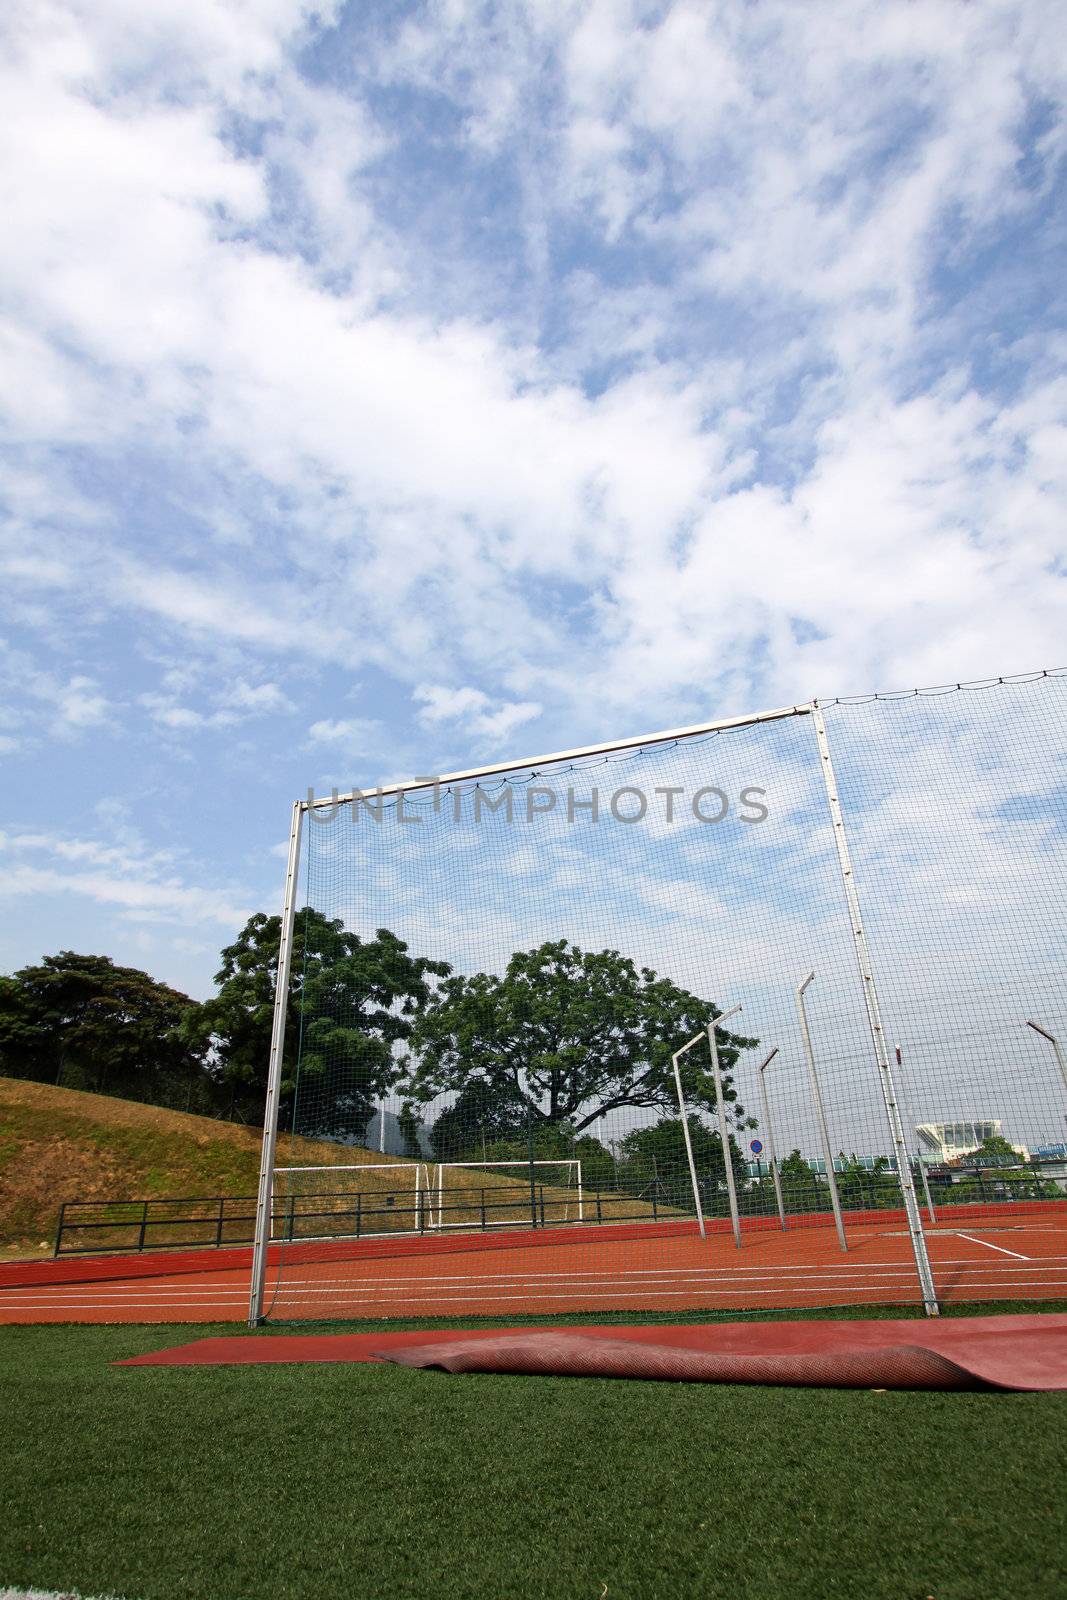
389,388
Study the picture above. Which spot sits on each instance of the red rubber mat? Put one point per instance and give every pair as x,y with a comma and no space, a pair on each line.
1015,1352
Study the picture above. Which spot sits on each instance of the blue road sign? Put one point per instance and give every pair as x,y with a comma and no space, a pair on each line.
756,1146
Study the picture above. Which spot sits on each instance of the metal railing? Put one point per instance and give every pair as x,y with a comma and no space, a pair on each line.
217,1221
87,1227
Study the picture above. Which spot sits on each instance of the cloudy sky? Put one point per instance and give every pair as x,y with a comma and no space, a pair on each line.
386,388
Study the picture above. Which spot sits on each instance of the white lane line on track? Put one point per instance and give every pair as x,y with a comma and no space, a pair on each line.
499,1299
120,1293
1000,1247
352,1294
690,1294
534,1281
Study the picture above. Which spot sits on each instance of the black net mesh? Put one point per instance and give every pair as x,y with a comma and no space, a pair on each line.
492,981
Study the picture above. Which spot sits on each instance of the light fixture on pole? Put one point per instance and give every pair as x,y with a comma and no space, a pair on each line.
772,1153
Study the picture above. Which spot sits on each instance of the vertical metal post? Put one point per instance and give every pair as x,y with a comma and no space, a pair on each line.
926,1186
264,1198
874,1019
1057,1048
677,1056
530,1152
931,1213
820,1112
724,1132
771,1151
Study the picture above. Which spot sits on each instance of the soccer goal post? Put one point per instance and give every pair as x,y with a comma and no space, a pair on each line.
504,963
505,1194
346,1201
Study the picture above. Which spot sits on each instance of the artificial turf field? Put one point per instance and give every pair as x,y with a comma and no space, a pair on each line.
310,1482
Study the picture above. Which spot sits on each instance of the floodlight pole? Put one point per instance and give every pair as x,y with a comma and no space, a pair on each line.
874,1019
766,1106
1057,1047
265,1196
724,1132
820,1112
677,1056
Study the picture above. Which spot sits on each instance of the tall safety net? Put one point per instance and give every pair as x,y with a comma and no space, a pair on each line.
501,992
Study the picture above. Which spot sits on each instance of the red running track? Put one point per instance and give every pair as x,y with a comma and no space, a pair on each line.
1014,1254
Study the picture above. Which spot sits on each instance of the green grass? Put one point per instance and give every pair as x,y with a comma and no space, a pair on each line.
314,1482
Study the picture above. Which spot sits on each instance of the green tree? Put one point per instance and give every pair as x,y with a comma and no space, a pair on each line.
410,1125
803,1189
84,1022
655,1158
480,1117
568,1035
994,1151
863,1188
352,1003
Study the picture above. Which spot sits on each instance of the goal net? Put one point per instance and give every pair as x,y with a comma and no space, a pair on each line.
345,1201
503,1194
509,1075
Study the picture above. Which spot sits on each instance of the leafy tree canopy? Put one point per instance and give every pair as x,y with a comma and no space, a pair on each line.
568,1034
479,1118
655,1157
351,1002
994,1151
85,1022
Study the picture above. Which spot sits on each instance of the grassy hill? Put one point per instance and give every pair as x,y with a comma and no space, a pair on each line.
64,1144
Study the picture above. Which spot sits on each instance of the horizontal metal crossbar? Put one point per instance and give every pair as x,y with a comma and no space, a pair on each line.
526,763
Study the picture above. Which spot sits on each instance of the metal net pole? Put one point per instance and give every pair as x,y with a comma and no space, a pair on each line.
874,1018
724,1131
264,1198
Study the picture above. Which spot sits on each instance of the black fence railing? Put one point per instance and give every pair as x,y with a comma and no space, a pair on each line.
89,1227
95,1226
216,1221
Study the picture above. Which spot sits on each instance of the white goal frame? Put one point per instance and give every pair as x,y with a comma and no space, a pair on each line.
356,1166
523,1168
810,709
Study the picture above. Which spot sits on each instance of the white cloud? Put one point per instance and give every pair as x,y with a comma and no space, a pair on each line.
43,702
256,698
472,710
236,703
476,458
355,734
142,885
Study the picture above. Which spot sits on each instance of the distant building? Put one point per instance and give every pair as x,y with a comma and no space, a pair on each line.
941,1143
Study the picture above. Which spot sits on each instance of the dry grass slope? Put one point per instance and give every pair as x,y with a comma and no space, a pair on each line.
64,1144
